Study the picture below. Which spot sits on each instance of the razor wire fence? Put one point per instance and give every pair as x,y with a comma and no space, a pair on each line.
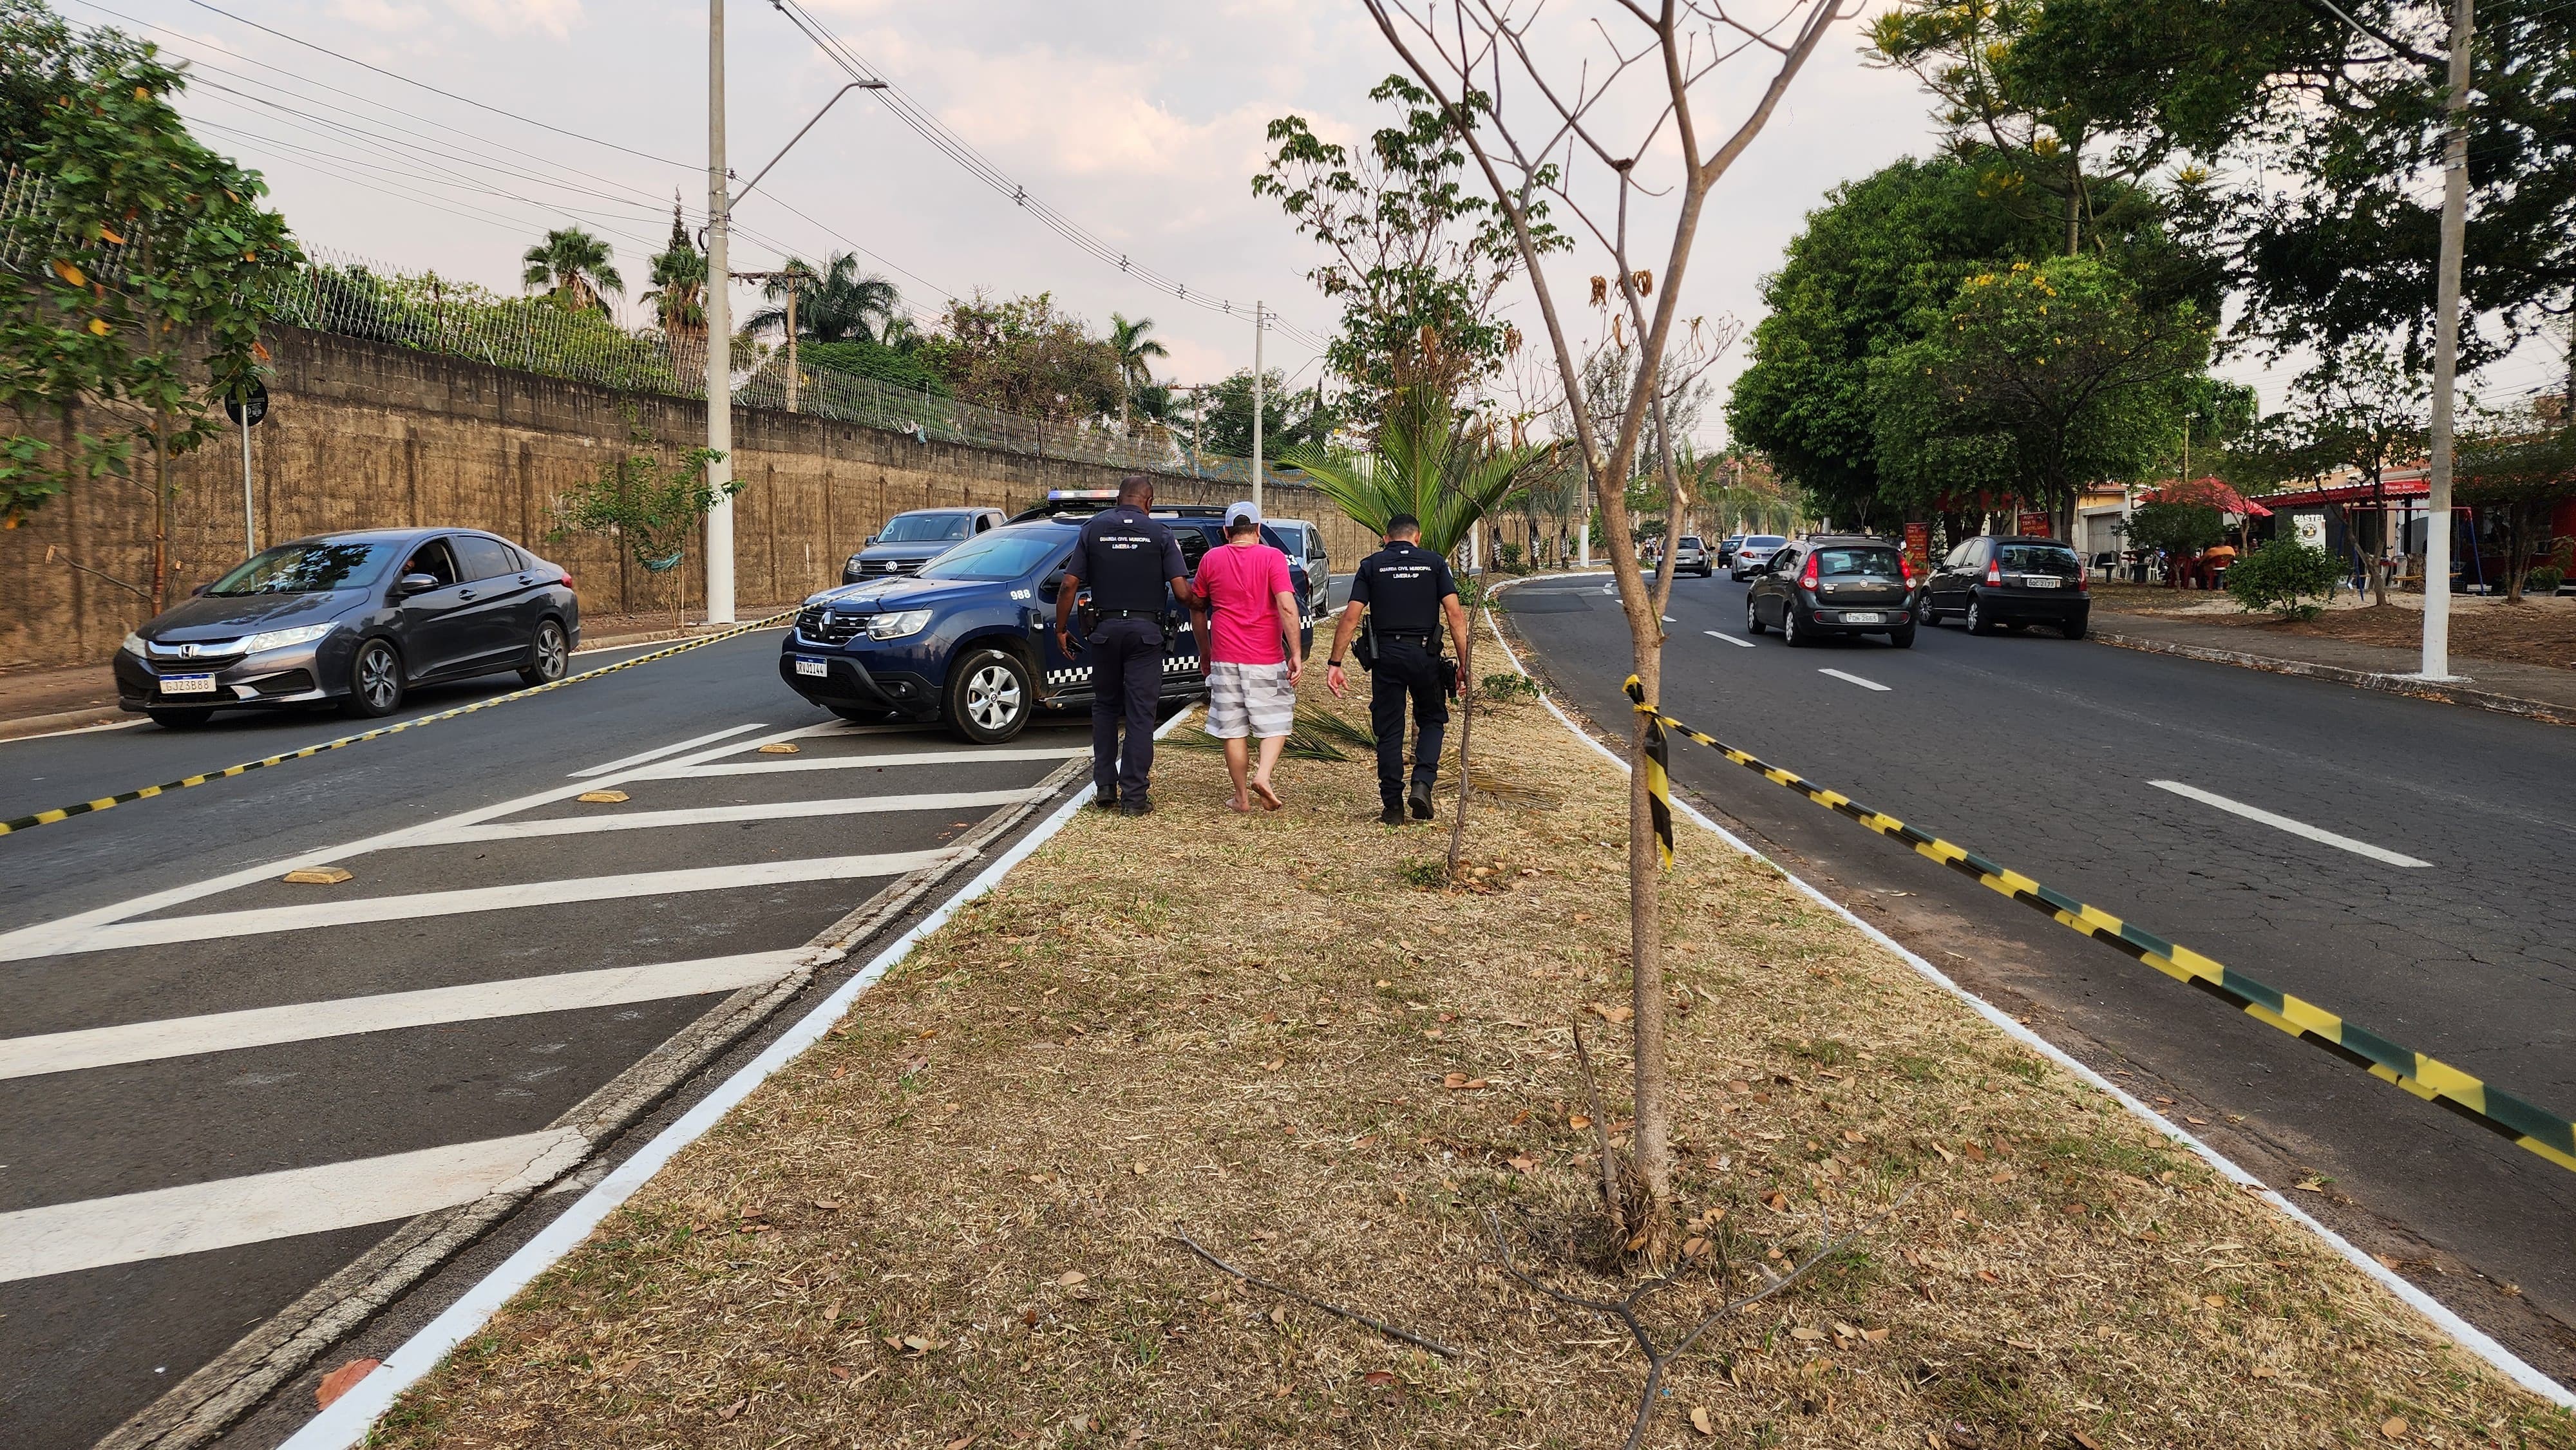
345,295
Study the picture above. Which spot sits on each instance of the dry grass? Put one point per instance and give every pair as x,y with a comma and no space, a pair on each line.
948,1225
2535,631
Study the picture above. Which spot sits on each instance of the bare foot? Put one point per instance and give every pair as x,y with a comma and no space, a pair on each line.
1269,798
1239,806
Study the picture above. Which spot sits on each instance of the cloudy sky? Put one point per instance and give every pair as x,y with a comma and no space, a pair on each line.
1141,121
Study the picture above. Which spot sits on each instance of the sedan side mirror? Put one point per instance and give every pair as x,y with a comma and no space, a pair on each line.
411,584
200,589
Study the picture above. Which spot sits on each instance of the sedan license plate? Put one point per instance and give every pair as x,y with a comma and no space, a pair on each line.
187,684
812,667
1854,618
2039,581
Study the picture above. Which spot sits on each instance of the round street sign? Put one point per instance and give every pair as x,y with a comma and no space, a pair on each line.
248,408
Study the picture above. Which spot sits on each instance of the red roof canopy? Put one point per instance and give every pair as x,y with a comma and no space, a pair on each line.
2212,491
2390,487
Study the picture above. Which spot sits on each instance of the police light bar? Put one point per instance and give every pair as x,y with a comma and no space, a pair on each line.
1082,495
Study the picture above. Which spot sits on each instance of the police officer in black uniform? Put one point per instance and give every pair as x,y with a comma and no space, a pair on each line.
1128,560
1407,591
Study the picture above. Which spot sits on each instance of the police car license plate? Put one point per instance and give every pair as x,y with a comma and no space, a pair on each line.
187,684
1849,618
812,667
2039,581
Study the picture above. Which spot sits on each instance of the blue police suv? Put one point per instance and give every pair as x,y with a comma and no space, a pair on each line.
970,639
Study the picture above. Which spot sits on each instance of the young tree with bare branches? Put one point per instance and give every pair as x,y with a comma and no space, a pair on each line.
1606,114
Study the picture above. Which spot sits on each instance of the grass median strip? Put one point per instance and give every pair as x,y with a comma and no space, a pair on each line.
952,1222
185,782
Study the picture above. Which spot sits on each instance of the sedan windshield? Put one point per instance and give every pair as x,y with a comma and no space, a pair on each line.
926,528
1764,541
1856,561
997,555
306,568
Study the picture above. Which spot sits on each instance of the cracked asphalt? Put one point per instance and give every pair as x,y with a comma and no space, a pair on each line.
2039,753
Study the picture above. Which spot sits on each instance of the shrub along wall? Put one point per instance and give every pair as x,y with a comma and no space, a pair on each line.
365,435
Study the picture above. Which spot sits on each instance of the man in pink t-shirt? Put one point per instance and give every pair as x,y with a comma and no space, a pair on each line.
1248,652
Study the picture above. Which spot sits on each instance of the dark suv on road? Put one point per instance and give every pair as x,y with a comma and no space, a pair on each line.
2009,581
1834,584
970,639
915,537
352,619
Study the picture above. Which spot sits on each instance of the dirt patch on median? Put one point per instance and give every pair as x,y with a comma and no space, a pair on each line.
2534,632
949,1225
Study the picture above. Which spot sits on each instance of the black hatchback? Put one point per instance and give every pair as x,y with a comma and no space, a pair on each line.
2009,581
353,619
1831,585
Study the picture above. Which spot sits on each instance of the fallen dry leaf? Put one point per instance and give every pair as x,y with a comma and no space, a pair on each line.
337,1382
1577,1120
2394,1427
2087,1441
729,1411
2214,1301
1701,1422
1071,1277
828,1205
1614,1014
1274,1064
1377,1377
1524,1163
1805,1333
1460,1082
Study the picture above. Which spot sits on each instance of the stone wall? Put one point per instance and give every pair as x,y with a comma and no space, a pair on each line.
364,435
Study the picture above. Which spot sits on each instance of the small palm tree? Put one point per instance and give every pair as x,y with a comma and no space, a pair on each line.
833,304
1136,349
679,294
575,268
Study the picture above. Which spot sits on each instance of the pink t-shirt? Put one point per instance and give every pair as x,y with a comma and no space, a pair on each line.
1242,583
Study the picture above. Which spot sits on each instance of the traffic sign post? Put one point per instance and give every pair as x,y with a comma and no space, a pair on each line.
247,408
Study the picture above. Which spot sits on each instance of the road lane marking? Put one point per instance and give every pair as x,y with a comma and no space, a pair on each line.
385,1012
657,752
1730,639
357,911
2284,823
65,1238
171,896
855,762
721,815
1856,680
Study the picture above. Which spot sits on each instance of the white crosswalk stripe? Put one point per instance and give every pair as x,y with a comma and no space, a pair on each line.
63,1238
720,815
795,764
384,1012
354,911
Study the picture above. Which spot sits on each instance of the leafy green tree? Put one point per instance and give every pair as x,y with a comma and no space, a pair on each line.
2333,115
2519,473
835,303
2361,409
1418,261
2054,374
574,268
679,294
1136,348
874,360
647,503
2180,529
2279,575
149,268
1023,356
1290,422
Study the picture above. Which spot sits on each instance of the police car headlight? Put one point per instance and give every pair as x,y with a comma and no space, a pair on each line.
897,626
281,638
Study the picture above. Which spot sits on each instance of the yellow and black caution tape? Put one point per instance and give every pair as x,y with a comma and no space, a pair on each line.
2533,1127
1659,775
65,813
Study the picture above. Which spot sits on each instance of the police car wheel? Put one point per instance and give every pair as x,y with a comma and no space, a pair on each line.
990,696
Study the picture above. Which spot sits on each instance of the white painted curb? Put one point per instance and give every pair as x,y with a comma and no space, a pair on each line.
346,1420
2470,1337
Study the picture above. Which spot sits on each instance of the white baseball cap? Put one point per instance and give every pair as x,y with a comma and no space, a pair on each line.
1244,512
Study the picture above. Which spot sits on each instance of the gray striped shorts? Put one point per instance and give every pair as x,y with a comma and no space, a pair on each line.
1254,700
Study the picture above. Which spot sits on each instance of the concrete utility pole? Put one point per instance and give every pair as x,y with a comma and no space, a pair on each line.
1257,321
719,335
2446,355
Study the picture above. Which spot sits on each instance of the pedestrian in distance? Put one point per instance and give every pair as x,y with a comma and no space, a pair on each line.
1406,592
1129,561
1247,620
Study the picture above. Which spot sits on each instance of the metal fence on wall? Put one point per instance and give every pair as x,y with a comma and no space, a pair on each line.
349,296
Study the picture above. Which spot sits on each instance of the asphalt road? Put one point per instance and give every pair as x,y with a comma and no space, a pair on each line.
180,1160
2046,755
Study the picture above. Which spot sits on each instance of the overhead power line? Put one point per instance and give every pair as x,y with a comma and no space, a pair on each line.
956,148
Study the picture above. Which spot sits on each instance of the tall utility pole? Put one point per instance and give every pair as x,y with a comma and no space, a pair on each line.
1258,319
719,335
2446,354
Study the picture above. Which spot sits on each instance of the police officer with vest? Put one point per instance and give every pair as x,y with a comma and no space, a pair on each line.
1128,560
1407,592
